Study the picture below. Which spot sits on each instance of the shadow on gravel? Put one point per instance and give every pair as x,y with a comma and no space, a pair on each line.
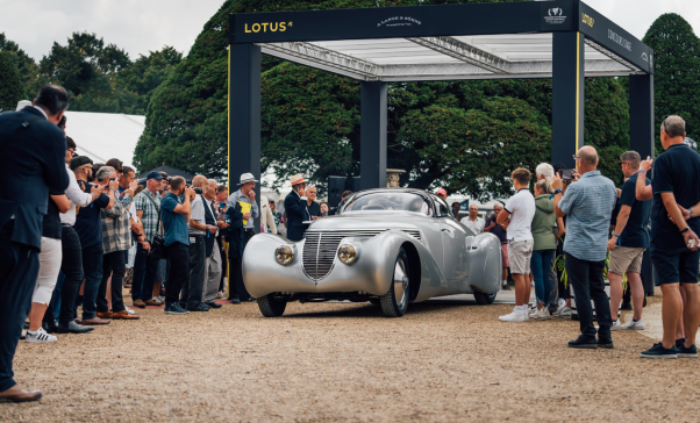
374,311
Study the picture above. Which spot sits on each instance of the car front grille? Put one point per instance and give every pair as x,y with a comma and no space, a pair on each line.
321,247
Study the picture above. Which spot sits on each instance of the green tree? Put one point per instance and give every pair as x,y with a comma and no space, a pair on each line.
11,86
27,68
676,72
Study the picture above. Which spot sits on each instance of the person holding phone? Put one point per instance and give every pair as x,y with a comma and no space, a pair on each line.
243,200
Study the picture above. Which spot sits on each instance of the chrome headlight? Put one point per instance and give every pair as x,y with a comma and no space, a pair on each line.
347,254
284,254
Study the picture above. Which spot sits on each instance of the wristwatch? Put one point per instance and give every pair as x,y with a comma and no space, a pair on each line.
558,191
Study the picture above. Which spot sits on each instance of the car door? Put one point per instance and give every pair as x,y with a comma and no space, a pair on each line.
454,247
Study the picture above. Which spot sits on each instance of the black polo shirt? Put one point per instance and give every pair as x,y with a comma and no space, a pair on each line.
677,170
636,232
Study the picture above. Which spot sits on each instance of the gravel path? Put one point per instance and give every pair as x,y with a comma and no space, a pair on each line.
343,362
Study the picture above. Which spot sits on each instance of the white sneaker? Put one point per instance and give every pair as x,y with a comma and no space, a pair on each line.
561,303
563,312
532,310
616,325
130,311
632,325
542,314
40,337
515,317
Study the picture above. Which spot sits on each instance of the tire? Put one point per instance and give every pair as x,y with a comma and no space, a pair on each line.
374,301
484,299
270,307
395,302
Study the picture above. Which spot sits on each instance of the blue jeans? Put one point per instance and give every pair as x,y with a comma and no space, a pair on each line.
92,266
540,264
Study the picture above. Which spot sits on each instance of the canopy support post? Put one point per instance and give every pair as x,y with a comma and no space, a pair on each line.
373,135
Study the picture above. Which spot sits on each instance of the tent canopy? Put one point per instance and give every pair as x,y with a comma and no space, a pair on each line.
171,171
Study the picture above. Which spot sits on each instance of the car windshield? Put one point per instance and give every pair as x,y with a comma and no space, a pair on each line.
390,201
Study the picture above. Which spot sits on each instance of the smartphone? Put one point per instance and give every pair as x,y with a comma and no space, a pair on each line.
222,206
567,174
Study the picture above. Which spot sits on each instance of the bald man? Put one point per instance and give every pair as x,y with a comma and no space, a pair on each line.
589,203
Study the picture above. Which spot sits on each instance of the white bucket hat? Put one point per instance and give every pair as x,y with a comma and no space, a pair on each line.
246,178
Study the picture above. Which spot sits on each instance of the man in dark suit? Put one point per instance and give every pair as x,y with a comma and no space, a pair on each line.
296,209
35,148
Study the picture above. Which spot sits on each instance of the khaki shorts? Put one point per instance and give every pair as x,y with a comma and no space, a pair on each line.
626,259
519,255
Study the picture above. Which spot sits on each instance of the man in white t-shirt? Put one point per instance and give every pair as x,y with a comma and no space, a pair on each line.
473,221
516,218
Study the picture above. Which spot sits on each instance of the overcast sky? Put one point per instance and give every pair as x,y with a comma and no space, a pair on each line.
140,26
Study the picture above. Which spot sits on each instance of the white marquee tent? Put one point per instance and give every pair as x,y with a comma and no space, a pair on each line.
103,136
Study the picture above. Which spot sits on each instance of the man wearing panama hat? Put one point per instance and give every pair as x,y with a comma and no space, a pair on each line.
295,206
244,199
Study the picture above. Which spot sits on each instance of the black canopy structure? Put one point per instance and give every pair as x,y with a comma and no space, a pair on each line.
171,171
565,40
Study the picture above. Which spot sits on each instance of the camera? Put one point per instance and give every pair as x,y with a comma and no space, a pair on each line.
198,190
567,174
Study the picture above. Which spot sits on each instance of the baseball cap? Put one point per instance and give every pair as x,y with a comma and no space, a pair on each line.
154,175
79,161
441,191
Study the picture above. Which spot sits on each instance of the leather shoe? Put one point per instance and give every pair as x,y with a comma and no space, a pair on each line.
583,342
17,394
139,304
235,300
73,327
124,315
605,343
50,325
95,321
153,302
104,314
212,304
199,307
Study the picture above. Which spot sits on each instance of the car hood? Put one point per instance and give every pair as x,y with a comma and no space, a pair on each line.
366,221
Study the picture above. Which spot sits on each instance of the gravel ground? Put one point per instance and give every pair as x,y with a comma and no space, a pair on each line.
344,362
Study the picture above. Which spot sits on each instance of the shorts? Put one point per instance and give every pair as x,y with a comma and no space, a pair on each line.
504,255
626,259
674,266
519,255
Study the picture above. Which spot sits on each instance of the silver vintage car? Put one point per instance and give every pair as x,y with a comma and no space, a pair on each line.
389,246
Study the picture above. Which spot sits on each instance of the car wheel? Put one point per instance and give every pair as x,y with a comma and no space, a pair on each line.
374,301
271,307
484,299
395,302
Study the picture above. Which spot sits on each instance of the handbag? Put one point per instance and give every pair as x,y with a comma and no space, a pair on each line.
158,250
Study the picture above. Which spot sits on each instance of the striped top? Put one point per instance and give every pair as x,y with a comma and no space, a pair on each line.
588,203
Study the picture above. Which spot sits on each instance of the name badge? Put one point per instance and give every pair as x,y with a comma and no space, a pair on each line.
193,240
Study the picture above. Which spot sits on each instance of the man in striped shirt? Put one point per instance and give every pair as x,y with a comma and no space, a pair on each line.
588,203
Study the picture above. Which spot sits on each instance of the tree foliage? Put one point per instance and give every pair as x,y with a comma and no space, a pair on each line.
676,72
11,87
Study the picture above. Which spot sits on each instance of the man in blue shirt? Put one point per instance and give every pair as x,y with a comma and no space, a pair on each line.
175,215
588,203
674,242
627,245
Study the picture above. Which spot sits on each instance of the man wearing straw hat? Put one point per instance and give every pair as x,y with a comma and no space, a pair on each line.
296,207
244,199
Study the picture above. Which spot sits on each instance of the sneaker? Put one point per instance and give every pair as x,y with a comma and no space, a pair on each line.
130,311
561,303
632,325
160,299
680,342
563,312
616,325
40,337
532,310
515,317
542,314
174,308
687,352
153,302
198,307
658,351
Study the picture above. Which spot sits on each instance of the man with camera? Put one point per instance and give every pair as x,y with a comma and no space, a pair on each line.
243,200
199,232
296,208
213,268
88,224
176,214
147,204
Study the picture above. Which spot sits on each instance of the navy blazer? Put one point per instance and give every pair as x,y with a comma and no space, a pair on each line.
34,167
297,212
